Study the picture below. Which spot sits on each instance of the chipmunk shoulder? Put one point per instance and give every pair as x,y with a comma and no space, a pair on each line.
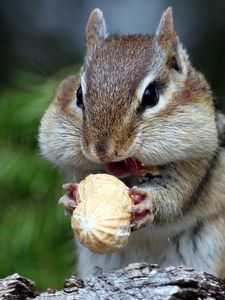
139,103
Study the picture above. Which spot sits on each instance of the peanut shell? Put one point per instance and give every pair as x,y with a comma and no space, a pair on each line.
101,221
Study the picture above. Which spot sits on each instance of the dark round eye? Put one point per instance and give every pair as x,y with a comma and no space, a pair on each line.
150,97
80,97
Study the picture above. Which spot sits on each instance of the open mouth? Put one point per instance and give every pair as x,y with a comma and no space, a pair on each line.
125,167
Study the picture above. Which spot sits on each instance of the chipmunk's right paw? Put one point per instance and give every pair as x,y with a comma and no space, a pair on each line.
69,199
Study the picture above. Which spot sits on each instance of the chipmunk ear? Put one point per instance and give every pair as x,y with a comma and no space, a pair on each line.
165,33
96,30
165,27
168,40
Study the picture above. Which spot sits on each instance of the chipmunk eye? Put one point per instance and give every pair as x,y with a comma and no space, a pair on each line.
80,98
150,97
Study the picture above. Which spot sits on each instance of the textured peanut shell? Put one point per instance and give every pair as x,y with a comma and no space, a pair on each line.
101,221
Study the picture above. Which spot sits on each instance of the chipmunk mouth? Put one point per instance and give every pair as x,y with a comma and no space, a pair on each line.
129,166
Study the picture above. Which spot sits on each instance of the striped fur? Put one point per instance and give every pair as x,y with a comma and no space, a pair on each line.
182,135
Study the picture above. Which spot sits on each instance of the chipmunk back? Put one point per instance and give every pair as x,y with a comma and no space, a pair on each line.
138,104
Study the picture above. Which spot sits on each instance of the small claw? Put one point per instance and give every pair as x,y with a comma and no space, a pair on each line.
144,206
66,201
141,222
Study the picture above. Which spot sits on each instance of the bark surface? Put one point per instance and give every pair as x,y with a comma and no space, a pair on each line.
136,281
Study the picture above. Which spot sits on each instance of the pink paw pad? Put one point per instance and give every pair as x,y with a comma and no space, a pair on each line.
136,196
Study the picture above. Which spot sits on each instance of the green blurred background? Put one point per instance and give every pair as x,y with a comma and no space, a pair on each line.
41,42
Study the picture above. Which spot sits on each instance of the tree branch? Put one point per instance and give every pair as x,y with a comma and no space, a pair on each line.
137,281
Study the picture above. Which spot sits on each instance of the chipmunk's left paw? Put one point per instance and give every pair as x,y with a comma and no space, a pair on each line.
141,210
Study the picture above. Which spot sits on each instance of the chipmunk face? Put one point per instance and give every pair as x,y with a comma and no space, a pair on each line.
141,98
110,102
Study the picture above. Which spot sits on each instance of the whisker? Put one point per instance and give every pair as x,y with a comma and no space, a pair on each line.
63,134
89,166
135,127
135,162
66,119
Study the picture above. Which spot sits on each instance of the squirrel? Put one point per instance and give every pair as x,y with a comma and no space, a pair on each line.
138,103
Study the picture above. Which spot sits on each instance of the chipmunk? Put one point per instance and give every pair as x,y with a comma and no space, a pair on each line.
139,103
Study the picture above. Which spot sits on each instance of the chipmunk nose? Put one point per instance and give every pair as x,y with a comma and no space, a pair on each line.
103,151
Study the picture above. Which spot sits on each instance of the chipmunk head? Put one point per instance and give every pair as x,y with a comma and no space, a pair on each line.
137,99
140,97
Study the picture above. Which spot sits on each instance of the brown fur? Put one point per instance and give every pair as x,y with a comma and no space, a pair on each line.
178,136
66,93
